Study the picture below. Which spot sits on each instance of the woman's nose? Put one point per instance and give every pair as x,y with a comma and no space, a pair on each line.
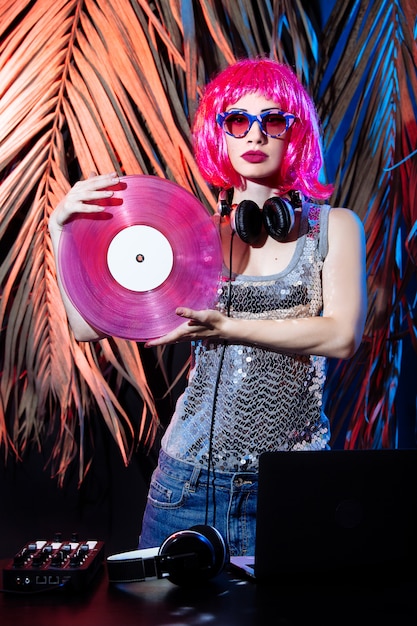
255,133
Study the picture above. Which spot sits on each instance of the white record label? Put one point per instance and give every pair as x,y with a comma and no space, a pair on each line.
140,258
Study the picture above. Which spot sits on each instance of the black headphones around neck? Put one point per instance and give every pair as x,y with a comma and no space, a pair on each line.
276,216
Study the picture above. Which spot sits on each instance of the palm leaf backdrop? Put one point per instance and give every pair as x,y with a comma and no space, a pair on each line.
112,85
367,89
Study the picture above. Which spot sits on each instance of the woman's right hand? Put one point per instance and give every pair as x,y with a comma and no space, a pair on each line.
81,197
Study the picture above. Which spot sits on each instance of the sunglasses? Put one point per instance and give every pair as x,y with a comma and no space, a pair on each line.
273,123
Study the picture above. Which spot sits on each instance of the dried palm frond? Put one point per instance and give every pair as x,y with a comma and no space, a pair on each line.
367,90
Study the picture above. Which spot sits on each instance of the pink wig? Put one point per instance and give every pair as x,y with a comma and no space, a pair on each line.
303,158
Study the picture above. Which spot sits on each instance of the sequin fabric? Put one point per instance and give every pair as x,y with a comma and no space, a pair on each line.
264,400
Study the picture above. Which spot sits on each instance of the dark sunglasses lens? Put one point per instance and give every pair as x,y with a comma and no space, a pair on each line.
274,124
236,124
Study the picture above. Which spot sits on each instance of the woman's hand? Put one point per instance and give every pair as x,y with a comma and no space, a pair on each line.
81,198
199,325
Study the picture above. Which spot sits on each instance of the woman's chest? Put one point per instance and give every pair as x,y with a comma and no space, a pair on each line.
268,258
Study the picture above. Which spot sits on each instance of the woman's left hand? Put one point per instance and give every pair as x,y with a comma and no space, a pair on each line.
199,325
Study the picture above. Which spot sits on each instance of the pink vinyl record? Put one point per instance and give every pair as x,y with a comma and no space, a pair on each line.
152,249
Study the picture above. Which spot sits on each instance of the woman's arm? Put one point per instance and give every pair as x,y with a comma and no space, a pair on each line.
337,333
80,199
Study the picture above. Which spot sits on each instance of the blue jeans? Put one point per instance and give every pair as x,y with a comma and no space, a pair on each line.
179,497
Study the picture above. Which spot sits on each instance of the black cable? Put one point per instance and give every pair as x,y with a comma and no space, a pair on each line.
210,465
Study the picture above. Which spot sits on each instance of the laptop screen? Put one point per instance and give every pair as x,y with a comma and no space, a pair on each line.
321,511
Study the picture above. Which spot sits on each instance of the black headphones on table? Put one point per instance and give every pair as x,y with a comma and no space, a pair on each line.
277,217
187,557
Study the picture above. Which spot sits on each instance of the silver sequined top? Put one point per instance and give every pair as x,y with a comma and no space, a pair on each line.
264,400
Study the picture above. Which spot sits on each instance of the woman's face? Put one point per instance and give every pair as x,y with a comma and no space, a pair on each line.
256,156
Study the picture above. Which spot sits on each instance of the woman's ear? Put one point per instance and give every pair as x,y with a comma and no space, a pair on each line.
224,204
216,218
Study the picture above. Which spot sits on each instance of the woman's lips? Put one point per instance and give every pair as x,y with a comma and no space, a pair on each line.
254,156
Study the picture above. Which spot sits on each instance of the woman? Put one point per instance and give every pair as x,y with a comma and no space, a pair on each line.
293,293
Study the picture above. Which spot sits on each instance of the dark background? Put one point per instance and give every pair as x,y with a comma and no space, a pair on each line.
108,504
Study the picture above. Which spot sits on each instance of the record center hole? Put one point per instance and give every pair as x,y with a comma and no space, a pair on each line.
140,258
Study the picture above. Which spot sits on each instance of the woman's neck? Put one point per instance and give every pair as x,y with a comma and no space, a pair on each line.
255,191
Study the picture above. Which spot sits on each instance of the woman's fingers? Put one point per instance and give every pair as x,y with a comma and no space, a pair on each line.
82,197
199,325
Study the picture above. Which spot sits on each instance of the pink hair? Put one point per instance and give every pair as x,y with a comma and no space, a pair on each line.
303,158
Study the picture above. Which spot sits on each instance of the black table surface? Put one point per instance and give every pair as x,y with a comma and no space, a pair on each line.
226,600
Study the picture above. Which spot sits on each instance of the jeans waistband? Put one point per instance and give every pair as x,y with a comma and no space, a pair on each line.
194,474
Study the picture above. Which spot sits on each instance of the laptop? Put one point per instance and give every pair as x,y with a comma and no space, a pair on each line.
331,512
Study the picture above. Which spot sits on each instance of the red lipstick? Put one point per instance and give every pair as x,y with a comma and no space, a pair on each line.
254,156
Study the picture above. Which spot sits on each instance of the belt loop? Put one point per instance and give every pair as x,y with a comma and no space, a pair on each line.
194,477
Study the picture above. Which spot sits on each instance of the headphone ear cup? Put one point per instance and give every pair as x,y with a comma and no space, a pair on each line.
192,556
221,552
247,221
278,217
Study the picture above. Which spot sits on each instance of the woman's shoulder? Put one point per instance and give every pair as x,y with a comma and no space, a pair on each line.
346,231
327,223
341,217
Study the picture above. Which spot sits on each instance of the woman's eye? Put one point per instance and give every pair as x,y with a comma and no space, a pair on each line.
238,119
274,122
